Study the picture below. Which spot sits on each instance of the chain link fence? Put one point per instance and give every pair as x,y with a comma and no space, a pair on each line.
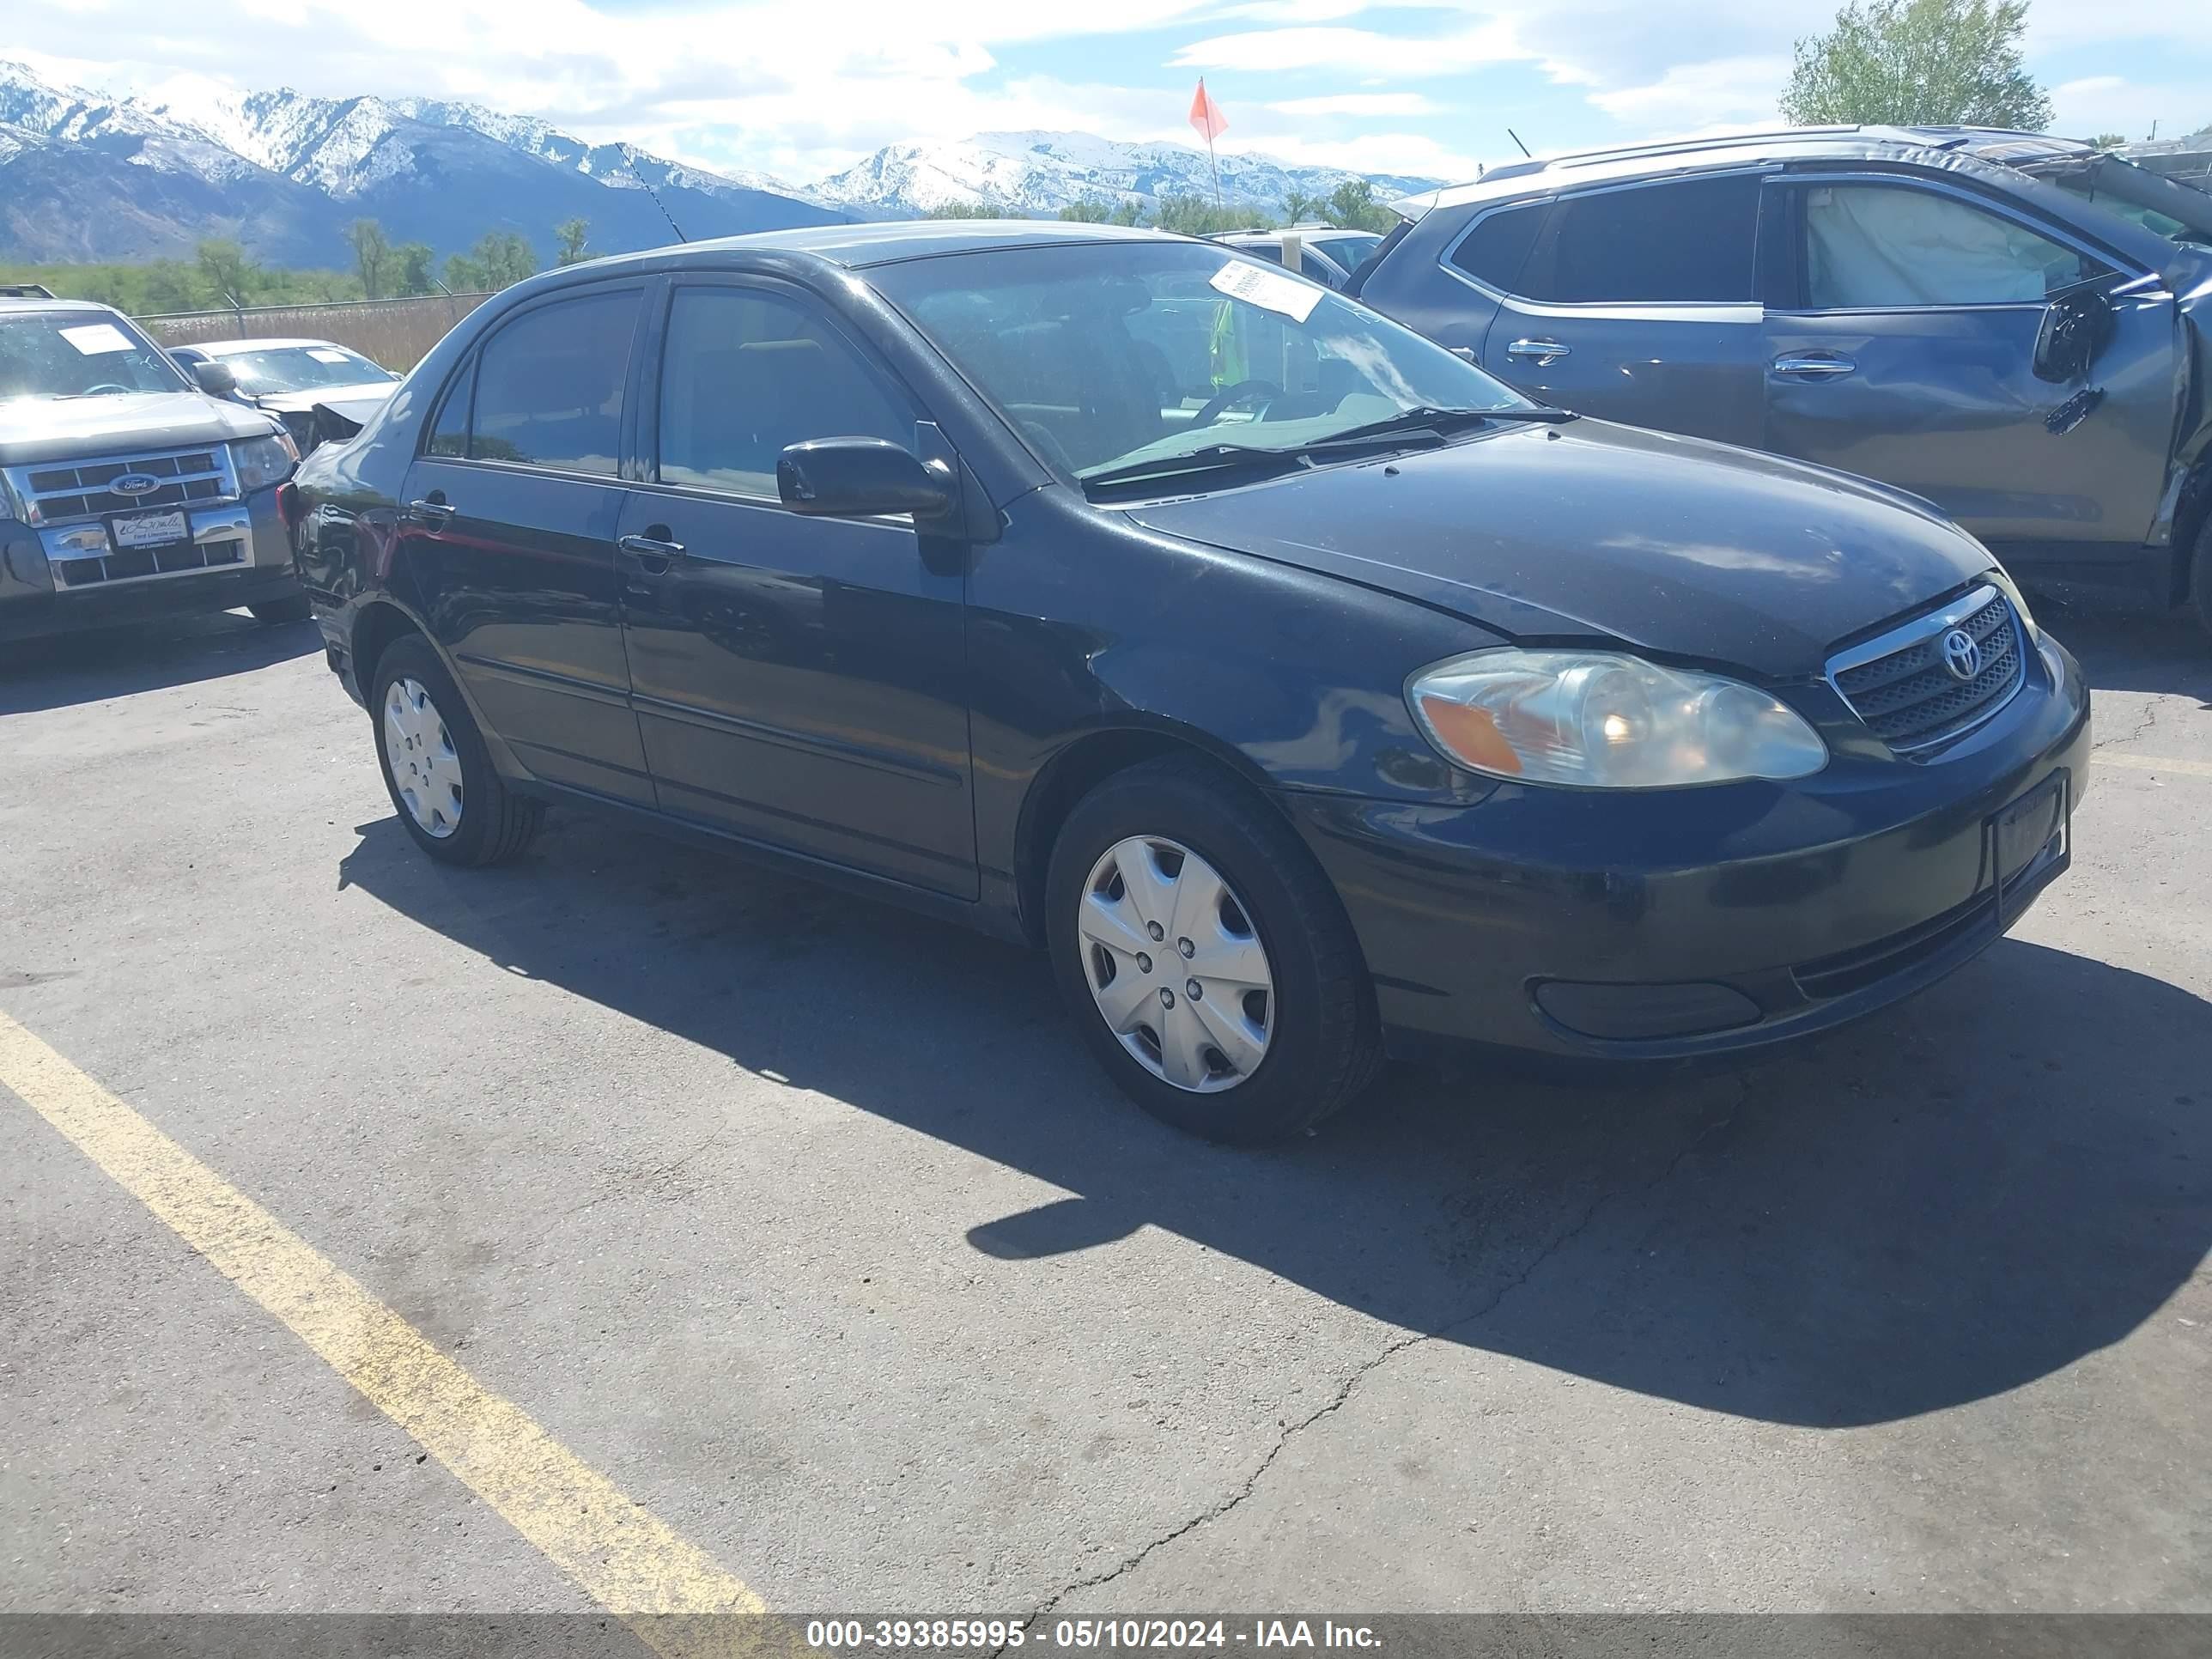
395,333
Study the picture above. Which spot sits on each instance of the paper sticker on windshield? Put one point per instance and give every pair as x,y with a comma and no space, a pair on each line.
324,355
1254,284
97,340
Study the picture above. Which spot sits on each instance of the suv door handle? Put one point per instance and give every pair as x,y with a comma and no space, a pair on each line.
1815,366
433,513
1544,351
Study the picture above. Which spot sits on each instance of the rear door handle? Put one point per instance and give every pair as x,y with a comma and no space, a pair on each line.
1815,366
430,514
1544,351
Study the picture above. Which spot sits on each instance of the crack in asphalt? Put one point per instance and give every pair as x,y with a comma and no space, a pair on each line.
1390,1351
2142,729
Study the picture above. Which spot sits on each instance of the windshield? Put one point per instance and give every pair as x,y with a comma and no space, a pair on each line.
2161,205
79,354
297,368
1106,354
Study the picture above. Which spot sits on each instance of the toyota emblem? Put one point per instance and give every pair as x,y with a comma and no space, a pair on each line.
1961,655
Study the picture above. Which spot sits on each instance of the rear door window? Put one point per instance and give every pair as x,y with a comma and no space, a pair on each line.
548,386
1686,242
1498,246
1882,247
746,372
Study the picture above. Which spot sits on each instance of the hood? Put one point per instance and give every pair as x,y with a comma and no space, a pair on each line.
1589,531
34,429
339,397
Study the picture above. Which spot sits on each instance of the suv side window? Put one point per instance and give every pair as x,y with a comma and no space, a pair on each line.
548,385
1495,250
1685,242
744,373
1871,247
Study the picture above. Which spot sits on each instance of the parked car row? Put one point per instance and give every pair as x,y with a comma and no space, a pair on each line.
135,484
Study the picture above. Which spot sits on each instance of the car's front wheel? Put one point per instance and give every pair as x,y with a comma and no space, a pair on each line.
435,766
1205,956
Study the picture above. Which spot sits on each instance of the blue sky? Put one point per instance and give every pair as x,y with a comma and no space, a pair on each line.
802,89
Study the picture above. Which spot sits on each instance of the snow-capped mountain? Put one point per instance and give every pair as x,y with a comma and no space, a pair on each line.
84,175
1044,172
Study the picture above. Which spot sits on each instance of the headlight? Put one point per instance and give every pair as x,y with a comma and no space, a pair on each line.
1598,720
262,461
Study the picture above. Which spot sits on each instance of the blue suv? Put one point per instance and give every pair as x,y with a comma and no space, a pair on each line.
2016,327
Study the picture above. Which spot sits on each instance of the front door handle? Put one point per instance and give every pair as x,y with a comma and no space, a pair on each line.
1542,351
431,513
654,550
1815,366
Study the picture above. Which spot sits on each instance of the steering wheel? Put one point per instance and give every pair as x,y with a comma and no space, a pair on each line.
1226,399
105,385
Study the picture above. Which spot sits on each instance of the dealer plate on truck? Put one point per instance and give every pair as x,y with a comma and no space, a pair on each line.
148,529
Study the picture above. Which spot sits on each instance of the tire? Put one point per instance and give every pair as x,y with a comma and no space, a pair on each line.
1322,1043
459,812
2200,576
293,610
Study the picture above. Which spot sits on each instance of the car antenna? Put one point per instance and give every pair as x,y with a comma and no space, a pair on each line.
657,202
1516,137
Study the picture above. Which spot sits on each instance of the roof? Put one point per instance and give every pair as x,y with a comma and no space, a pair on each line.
1734,149
857,246
227,348
13,305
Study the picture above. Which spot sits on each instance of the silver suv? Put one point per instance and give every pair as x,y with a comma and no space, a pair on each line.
127,491
2015,327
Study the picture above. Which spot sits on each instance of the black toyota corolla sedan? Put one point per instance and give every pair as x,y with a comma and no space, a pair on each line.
1307,694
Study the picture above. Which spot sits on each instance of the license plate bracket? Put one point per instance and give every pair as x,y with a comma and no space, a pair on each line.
2032,840
149,532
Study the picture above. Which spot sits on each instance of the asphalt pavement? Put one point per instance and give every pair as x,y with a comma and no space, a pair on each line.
808,1227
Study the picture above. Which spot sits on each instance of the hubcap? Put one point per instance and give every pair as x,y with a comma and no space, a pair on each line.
419,752
1201,1019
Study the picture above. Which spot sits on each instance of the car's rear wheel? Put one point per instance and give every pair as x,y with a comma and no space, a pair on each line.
295,608
435,766
1205,957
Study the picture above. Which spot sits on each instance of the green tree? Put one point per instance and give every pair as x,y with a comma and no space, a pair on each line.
970,211
225,268
1192,216
2108,140
1919,62
1352,206
571,234
172,285
464,276
504,257
1091,211
372,255
410,266
1302,207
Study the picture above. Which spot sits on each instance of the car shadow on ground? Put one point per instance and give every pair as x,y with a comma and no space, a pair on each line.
1955,1198
2167,652
93,665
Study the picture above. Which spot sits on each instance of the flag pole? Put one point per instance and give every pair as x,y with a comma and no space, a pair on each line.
1215,162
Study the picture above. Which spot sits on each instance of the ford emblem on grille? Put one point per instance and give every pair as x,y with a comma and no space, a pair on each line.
1961,655
135,484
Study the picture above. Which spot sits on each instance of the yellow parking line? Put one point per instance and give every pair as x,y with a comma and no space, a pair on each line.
629,1560
2154,763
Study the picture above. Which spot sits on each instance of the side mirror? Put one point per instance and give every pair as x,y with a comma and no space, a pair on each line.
1466,355
215,379
857,477
2076,326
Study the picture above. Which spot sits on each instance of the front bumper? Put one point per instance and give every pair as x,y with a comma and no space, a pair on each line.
1679,924
37,600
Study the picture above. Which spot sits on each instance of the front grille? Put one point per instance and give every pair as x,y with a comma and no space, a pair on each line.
1902,686
66,493
131,563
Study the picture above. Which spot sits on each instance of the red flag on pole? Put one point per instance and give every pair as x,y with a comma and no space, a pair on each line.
1206,115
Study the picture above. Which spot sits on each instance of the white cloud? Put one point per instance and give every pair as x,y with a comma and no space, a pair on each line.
1358,103
1690,97
1356,52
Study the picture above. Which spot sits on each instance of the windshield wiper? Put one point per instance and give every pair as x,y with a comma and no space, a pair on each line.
1214,457
1434,421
